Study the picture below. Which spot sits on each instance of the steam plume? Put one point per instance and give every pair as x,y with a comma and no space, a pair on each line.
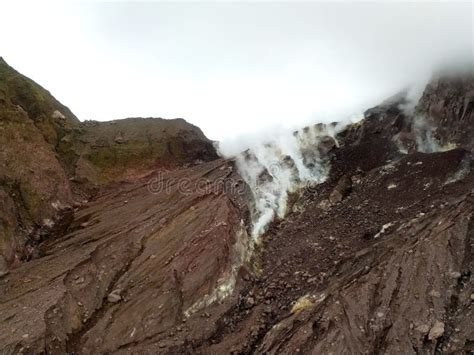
280,166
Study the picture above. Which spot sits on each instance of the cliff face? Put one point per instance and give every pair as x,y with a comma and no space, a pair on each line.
378,258
112,151
50,161
450,105
33,183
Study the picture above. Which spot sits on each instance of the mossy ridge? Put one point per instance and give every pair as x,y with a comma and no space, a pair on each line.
133,145
34,99
146,142
113,161
46,155
38,178
20,92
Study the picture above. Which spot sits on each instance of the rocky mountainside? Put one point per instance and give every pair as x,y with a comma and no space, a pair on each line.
450,103
50,162
375,258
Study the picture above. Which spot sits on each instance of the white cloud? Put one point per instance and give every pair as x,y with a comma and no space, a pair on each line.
230,68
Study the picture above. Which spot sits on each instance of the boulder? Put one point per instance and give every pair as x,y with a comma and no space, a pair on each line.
342,189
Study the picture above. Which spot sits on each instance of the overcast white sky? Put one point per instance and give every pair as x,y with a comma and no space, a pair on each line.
230,67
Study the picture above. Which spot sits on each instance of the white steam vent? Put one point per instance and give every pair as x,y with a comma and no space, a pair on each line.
424,131
282,165
425,135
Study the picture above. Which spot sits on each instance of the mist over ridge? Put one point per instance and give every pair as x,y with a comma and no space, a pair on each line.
234,69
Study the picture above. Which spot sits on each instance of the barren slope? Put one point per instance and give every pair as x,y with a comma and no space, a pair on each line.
157,253
378,258
49,161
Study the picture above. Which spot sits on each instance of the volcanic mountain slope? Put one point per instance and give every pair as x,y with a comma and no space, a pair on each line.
141,254
31,176
50,162
378,258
